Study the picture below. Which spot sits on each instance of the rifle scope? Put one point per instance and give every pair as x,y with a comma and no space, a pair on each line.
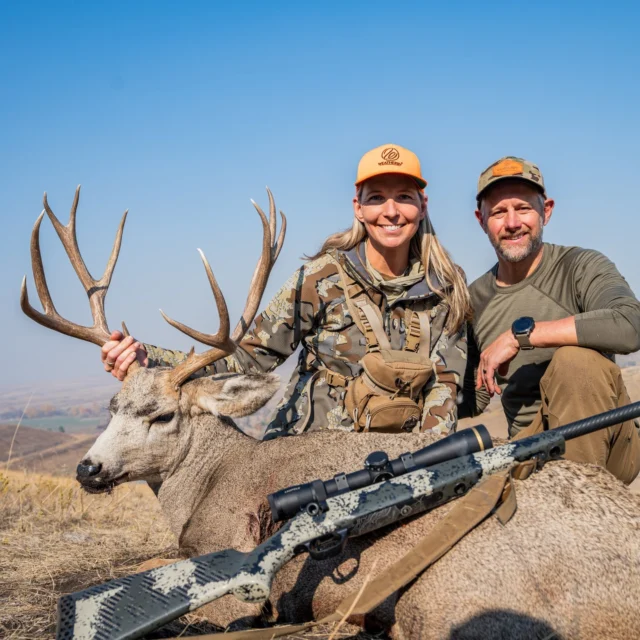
311,496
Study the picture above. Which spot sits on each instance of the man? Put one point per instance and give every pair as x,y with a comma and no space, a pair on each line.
547,320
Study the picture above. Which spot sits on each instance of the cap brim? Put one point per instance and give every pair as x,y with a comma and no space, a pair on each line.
422,183
533,183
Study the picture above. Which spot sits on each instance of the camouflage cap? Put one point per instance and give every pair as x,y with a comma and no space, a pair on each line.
510,167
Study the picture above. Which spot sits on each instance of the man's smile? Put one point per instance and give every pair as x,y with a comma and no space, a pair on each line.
515,239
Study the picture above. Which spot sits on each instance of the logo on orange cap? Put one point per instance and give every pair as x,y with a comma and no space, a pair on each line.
390,159
390,155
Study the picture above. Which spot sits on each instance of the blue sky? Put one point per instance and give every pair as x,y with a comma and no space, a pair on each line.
182,112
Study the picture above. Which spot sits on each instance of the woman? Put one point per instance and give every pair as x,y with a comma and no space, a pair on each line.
392,261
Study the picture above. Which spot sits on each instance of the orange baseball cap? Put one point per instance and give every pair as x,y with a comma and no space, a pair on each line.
390,158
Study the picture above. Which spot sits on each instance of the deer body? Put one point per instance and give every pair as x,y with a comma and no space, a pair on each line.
568,561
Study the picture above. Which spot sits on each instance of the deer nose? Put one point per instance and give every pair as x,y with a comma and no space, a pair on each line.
85,469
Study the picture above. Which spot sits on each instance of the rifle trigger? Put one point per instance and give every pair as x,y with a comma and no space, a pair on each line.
328,546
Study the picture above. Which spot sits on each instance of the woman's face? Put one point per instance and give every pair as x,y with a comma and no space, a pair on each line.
391,207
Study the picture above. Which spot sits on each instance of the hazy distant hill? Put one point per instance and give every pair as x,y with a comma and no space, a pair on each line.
76,405
27,440
45,452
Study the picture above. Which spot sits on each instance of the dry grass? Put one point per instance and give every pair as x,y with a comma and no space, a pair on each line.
55,539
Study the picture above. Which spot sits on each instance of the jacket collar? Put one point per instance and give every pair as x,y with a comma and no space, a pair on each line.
353,261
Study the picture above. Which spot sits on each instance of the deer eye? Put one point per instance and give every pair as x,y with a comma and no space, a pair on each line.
165,417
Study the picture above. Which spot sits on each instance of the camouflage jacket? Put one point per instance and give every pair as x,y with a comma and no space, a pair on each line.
310,311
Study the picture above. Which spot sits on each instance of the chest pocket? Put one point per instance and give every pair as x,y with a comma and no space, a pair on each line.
387,395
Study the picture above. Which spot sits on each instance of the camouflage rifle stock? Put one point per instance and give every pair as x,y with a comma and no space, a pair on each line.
130,607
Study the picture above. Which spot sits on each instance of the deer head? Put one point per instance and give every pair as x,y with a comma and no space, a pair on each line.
159,413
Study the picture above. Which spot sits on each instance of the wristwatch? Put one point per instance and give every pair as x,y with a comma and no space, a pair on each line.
521,329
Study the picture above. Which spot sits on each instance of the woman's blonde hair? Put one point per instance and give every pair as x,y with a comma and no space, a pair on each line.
426,247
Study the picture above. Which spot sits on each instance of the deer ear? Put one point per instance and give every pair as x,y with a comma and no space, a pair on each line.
236,395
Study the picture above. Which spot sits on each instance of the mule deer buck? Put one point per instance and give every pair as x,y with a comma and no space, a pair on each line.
566,565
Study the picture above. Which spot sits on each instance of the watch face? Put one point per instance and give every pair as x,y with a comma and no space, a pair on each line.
523,325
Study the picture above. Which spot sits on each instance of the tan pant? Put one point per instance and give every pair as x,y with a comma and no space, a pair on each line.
580,383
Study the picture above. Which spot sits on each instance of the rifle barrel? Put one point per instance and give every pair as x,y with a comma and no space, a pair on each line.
600,421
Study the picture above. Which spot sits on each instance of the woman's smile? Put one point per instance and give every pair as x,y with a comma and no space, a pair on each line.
391,228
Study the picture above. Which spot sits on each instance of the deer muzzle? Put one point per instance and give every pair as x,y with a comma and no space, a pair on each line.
86,469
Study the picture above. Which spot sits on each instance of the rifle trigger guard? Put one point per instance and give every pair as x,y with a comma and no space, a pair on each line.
327,547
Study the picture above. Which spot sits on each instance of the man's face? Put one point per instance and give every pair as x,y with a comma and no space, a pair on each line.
513,215
391,207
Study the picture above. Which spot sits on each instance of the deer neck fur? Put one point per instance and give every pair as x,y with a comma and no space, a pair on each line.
213,440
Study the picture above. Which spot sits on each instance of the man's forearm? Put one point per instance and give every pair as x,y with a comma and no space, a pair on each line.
555,333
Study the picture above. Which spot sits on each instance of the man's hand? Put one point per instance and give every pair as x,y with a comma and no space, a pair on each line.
496,357
119,353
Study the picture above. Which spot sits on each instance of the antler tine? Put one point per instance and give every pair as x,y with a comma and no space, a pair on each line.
221,338
96,289
272,214
272,226
38,269
259,279
67,235
280,241
105,281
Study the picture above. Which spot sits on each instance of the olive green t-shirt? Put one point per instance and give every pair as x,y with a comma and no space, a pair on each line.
569,281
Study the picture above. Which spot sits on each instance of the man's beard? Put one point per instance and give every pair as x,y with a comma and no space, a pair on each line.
517,254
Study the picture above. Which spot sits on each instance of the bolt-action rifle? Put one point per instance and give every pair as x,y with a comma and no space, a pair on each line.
320,516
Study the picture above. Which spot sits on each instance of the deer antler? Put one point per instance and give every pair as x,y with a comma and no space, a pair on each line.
96,289
223,344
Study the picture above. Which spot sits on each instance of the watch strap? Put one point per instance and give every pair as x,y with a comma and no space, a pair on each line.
524,341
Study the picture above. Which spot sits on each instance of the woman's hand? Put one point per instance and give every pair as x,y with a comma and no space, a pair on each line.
119,353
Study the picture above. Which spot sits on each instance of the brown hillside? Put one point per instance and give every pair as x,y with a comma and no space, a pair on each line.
44,451
28,440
